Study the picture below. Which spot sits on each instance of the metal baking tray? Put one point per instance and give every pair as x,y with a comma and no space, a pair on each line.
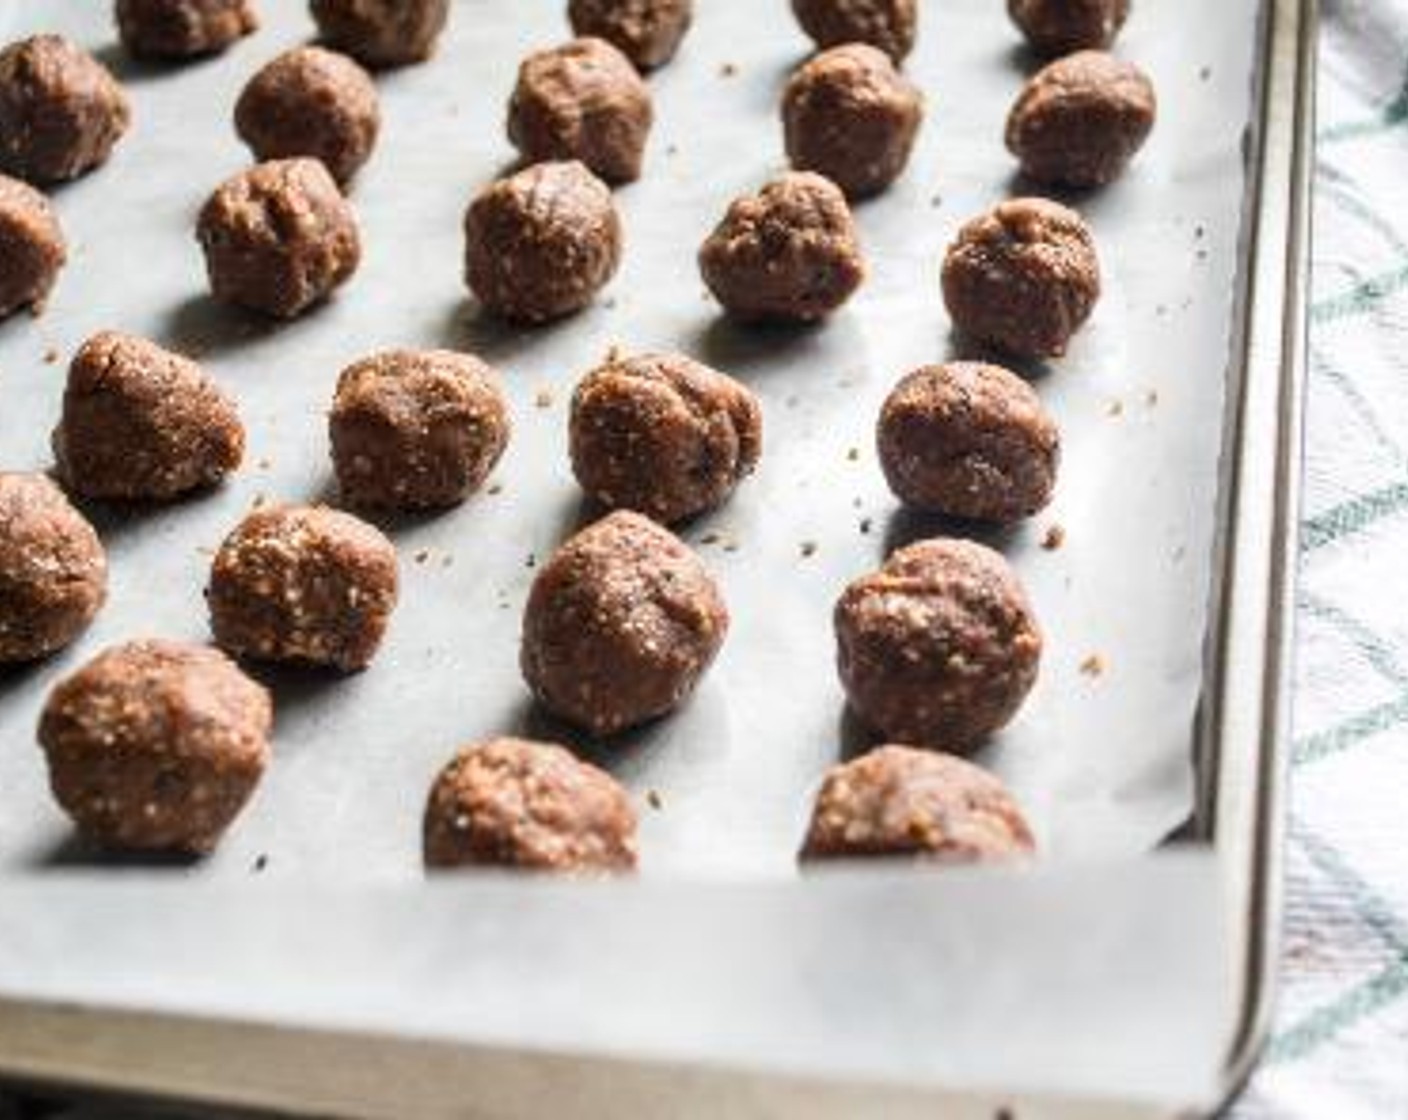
307,967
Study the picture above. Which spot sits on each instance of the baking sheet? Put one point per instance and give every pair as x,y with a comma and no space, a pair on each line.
1101,761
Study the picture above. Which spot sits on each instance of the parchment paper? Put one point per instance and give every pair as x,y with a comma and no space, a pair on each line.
1101,759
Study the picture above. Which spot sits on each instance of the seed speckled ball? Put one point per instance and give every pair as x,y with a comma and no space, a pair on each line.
529,806
141,422
620,626
53,570
311,102
902,802
938,648
1023,278
416,429
32,247
890,25
156,746
648,32
663,435
171,30
541,243
1057,27
382,33
61,110
279,238
303,584
788,253
969,440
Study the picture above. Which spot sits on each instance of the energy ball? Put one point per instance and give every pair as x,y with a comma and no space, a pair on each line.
898,801
53,570
582,101
969,440
1081,119
141,422
939,647
1023,277
620,625
850,115
311,102
416,429
180,29
1056,27
156,746
61,111
279,238
541,243
887,24
789,252
531,806
663,435
382,33
648,32
32,247
303,584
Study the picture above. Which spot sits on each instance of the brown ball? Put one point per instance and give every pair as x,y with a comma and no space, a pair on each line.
61,111
939,647
303,584
969,440
663,435
582,101
890,25
416,429
1080,120
311,102
53,570
898,801
621,624
541,243
179,29
1055,27
530,806
279,238
1024,277
156,746
789,252
32,247
382,33
142,422
648,32
850,115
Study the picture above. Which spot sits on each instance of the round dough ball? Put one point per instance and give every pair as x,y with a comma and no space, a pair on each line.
179,29
303,584
789,252
311,102
648,32
541,243
531,806
32,247
620,625
382,33
141,422
582,101
156,746
279,238
663,435
53,570
969,440
1056,27
416,429
850,115
939,647
890,25
61,111
1023,277
898,801
1081,119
